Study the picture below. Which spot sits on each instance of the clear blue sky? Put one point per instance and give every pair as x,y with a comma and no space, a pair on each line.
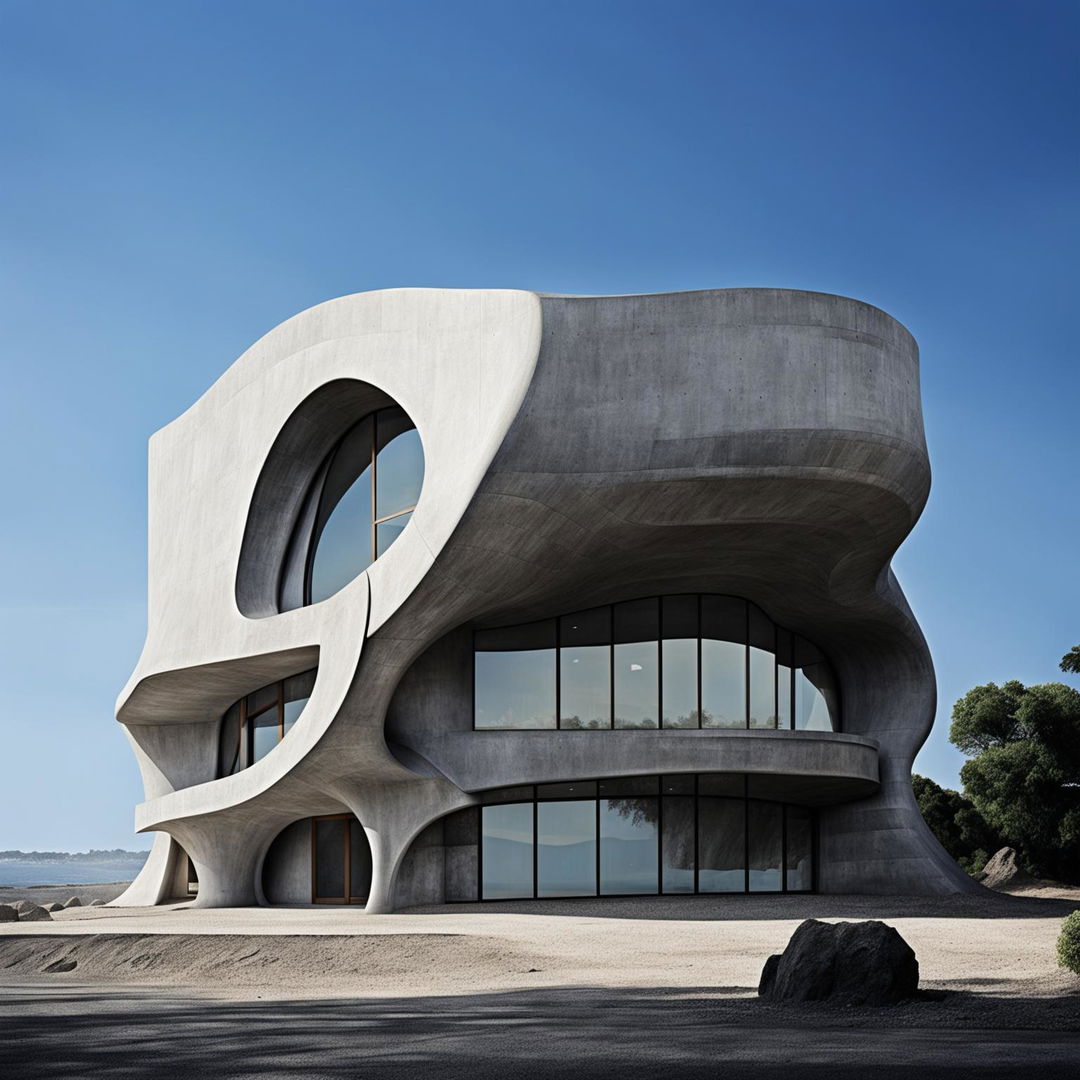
176,179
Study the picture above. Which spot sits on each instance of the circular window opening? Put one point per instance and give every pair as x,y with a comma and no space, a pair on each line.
359,502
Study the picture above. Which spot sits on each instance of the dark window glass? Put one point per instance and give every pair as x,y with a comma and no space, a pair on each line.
677,784
293,709
515,689
727,784
566,848
762,669
678,843
509,794
229,742
721,845
637,686
578,789
628,845
507,851
799,848
628,787
766,846
264,698
723,662
359,862
330,859
537,635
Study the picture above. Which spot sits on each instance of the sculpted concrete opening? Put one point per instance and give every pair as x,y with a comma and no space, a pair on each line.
653,547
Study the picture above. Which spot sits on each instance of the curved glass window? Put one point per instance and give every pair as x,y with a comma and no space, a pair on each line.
640,836
361,499
255,724
684,661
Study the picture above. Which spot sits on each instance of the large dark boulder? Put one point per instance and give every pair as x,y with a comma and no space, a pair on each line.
863,963
8,913
1003,871
34,913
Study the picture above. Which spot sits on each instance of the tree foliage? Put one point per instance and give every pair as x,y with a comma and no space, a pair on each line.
1071,660
1024,774
959,827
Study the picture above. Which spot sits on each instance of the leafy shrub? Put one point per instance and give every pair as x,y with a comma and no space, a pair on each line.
1068,944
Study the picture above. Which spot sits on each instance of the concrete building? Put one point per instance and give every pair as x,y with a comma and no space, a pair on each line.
466,595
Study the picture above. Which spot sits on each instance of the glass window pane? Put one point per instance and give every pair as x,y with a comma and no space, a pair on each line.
721,845
679,616
399,471
515,689
229,742
762,669
359,862
592,627
264,734
678,844
507,851
723,618
729,784
535,635
343,548
628,787
566,848
509,794
723,684
386,532
816,697
637,685
330,859
680,681
293,709
628,845
783,678
576,789
677,784
799,854
585,686
766,842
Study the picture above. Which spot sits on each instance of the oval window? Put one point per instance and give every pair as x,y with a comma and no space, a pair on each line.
361,499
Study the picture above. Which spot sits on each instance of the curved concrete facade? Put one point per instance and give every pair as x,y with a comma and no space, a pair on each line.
579,451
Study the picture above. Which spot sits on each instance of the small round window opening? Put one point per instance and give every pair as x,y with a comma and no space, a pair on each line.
360,501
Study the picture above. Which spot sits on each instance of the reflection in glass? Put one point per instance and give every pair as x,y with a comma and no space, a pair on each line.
811,708
293,709
678,843
566,848
721,845
799,849
386,532
637,687
628,845
229,742
507,851
585,686
762,669
264,734
680,683
399,469
766,846
723,684
515,689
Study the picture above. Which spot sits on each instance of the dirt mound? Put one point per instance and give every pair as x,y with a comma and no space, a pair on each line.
371,962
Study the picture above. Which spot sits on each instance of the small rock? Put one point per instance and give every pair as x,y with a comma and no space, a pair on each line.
24,905
97,903
864,963
73,902
53,906
34,913
8,913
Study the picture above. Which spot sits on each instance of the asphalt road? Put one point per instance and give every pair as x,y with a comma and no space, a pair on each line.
74,1032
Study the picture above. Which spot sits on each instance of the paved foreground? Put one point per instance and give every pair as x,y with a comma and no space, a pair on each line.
60,1034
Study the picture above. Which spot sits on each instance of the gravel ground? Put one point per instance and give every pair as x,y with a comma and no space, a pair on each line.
46,894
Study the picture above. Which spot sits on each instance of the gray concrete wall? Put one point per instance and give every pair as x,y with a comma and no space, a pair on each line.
756,442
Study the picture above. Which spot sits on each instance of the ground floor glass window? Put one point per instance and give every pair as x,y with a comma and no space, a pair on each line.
642,836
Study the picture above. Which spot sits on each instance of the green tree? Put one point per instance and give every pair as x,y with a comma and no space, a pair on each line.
1024,772
1071,661
956,823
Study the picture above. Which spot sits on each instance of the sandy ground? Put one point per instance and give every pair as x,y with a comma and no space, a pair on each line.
632,988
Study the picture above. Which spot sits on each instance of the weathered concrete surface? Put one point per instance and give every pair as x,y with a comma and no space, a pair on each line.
756,442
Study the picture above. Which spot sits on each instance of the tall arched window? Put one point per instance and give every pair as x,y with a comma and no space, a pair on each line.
361,499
